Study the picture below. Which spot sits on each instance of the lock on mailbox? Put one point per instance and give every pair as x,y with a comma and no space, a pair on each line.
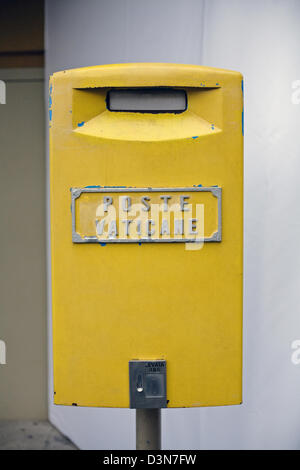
146,168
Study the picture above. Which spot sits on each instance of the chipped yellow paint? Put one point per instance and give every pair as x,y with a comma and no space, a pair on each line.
119,302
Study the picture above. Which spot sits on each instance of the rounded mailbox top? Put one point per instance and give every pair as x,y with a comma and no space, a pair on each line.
147,74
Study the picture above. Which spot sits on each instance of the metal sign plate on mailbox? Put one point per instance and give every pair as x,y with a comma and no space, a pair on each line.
146,188
134,215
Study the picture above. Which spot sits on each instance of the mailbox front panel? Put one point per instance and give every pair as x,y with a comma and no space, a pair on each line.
162,290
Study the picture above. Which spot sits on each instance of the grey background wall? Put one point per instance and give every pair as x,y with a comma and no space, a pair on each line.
259,38
23,379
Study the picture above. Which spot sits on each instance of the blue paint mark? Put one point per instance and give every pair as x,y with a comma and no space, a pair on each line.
242,86
195,137
50,104
243,122
214,186
213,127
197,185
102,244
140,243
80,124
108,187
217,84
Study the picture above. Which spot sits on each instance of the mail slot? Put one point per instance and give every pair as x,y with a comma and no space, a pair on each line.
147,100
146,183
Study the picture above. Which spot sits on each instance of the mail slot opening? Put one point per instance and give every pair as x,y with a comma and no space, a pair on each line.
147,100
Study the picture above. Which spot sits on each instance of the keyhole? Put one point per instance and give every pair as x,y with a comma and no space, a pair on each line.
139,385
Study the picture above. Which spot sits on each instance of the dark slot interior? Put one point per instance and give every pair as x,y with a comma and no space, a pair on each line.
147,100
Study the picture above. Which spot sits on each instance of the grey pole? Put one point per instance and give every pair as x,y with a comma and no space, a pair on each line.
148,429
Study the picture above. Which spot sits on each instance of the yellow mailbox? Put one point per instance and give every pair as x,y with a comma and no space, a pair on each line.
147,235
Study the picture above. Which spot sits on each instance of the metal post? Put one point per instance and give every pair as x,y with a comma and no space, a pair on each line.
148,429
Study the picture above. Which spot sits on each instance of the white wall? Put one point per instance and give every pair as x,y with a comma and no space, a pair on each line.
260,39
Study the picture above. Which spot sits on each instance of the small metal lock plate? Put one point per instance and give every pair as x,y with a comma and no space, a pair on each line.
147,384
